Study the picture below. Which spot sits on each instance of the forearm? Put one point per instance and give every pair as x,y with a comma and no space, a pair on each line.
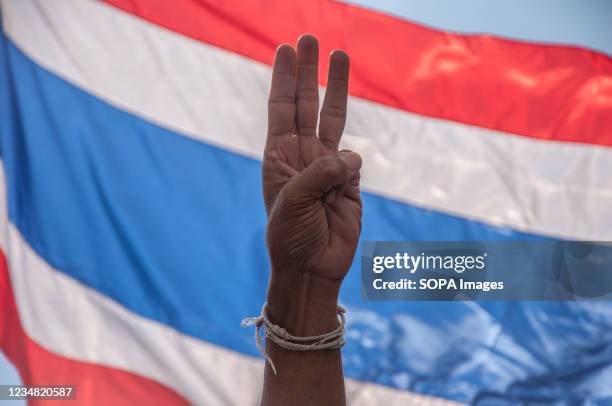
311,193
305,306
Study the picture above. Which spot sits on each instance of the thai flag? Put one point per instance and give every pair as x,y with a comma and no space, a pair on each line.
131,216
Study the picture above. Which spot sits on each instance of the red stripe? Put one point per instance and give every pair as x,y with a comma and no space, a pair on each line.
95,384
542,91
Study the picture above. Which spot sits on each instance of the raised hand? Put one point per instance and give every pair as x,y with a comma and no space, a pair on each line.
311,190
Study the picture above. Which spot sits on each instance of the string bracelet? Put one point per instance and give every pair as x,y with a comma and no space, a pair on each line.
281,337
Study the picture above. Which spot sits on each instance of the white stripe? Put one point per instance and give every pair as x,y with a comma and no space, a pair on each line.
215,96
102,332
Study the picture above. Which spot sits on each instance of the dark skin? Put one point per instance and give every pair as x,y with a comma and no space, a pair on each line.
311,193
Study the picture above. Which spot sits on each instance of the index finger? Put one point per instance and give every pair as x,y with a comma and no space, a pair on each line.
281,103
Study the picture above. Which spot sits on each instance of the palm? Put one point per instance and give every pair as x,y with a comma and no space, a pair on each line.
319,234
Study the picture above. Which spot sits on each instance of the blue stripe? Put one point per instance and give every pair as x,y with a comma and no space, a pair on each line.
173,230
566,22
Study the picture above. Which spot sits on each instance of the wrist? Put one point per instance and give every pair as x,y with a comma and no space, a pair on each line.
303,303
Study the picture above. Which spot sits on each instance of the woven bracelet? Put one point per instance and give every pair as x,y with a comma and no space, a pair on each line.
281,337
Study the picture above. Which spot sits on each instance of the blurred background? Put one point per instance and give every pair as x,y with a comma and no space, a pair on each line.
132,225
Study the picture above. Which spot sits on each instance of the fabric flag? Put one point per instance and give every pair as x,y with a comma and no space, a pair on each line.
132,224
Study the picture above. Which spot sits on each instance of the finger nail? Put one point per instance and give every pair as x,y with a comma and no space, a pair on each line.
351,159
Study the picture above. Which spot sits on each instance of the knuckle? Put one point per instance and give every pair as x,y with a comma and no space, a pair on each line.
308,131
308,95
334,111
281,99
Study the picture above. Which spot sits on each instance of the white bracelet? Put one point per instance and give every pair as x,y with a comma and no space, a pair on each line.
281,337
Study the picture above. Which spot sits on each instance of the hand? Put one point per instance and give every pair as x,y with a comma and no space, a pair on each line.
311,191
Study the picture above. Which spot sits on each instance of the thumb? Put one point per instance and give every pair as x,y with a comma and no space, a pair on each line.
326,172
